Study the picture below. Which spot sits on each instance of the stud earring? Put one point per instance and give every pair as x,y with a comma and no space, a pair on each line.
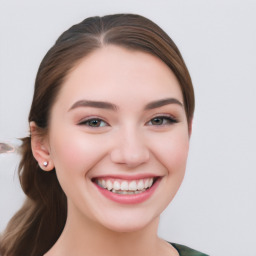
45,164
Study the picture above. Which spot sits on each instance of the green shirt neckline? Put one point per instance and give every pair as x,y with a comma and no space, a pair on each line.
186,251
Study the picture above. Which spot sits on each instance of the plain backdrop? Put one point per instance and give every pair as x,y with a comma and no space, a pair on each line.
215,209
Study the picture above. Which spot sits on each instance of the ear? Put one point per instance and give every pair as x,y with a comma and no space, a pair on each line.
40,148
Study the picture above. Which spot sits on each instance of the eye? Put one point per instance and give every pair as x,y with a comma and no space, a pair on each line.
162,120
94,122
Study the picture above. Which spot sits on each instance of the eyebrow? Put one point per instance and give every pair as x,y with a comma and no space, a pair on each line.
94,104
111,106
161,103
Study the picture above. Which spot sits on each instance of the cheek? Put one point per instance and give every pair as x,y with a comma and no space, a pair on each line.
172,151
75,153
67,152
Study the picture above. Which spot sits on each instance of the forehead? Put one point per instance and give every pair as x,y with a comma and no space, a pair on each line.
112,70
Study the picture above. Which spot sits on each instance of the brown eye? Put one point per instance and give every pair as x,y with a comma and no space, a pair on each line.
162,120
94,122
157,121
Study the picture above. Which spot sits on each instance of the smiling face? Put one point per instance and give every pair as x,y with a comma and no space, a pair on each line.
119,123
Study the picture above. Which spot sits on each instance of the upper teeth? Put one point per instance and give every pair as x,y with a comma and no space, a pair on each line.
125,185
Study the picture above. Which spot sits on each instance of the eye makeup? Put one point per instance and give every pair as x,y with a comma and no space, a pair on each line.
162,120
94,122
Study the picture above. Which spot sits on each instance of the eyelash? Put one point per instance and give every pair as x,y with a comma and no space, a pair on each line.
164,120
95,119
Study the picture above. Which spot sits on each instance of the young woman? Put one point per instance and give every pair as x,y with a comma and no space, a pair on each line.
110,124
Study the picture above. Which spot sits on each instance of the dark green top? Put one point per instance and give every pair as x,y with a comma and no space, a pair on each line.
186,251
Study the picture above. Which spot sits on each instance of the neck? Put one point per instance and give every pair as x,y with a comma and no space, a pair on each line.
89,238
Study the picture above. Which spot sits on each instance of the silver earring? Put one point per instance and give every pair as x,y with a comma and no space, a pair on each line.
45,164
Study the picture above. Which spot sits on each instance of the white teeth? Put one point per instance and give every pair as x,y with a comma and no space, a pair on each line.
146,183
116,185
140,185
150,182
103,182
133,185
124,185
109,185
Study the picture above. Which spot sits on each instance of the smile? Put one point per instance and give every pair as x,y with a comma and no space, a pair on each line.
125,187
127,191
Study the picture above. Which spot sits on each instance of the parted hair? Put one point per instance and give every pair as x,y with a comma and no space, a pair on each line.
35,228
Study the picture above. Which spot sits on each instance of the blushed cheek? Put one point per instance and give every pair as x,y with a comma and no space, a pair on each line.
68,152
76,153
176,154
181,152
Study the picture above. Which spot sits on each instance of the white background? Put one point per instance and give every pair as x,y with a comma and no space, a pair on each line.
215,209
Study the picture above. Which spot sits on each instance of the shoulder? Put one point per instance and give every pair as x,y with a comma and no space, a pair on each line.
186,251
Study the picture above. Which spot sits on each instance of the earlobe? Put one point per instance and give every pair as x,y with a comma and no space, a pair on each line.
40,148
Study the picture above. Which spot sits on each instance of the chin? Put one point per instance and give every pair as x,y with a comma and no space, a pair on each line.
126,224
124,228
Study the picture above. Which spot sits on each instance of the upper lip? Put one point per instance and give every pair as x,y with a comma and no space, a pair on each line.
127,177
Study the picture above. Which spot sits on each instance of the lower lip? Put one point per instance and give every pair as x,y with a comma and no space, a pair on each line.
126,198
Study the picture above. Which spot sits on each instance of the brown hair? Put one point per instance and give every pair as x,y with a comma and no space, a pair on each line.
37,225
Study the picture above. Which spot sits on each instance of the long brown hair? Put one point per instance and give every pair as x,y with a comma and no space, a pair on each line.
37,225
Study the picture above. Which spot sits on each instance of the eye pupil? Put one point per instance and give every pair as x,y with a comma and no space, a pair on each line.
157,121
94,123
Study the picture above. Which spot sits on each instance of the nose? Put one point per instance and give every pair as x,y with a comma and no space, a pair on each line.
130,149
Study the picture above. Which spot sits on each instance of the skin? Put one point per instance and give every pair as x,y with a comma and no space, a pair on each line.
128,142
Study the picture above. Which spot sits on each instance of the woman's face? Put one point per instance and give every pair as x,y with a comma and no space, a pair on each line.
119,123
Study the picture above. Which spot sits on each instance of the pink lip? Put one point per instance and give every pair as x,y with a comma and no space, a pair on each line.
129,199
127,177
